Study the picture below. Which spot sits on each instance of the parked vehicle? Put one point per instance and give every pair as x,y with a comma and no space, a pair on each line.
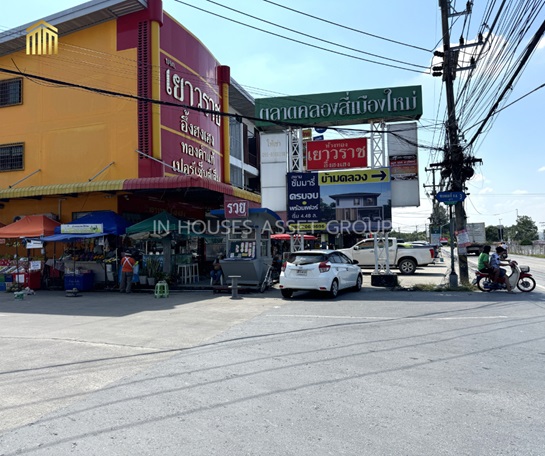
520,277
406,257
323,270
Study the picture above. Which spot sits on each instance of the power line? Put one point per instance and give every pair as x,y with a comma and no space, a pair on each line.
315,37
348,28
301,42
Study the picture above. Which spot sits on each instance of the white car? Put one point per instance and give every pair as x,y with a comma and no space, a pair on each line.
322,270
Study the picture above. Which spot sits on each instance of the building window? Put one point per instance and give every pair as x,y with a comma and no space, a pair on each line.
235,133
11,157
11,92
236,177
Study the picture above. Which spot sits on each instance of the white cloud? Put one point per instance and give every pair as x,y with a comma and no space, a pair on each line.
540,170
486,190
520,192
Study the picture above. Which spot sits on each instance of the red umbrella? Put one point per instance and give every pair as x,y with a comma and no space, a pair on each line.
287,237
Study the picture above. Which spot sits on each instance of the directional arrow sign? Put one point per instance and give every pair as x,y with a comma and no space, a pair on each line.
380,176
450,197
356,176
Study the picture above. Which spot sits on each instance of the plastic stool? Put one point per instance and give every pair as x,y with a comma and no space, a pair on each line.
161,289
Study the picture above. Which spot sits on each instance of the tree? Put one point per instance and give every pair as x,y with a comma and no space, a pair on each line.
492,234
525,230
439,215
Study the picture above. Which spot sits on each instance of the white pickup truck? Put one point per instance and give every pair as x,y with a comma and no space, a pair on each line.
406,257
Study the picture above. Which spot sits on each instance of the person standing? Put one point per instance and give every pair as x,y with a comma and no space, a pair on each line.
127,271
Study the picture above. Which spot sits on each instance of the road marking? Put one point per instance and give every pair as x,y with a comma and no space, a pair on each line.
341,317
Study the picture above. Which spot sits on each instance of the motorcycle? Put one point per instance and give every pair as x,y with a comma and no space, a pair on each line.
520,277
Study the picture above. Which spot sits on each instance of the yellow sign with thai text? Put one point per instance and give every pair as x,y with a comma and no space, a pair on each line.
359,176
309,226
42,39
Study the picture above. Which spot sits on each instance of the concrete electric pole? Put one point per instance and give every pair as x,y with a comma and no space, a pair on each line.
454,156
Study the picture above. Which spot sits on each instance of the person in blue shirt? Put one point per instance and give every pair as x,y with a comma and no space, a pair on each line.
495,263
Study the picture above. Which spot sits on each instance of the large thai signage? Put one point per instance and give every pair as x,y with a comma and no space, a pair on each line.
346,201
337,154
342,108
190,140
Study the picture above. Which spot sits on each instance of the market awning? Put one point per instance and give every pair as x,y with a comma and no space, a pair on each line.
287,237
31,226
158,226
62,189
176,182
69,237
143,183
111,222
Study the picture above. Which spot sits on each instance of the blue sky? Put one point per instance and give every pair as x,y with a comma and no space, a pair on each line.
511,180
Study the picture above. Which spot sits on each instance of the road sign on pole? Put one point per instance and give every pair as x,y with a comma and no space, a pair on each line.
450,197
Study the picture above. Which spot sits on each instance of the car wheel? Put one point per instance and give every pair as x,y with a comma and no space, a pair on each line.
407,266
286,293
334,290
359,280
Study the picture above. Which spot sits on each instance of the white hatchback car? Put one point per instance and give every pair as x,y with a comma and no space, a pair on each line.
322,270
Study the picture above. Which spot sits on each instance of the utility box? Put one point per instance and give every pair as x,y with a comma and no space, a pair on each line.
384,280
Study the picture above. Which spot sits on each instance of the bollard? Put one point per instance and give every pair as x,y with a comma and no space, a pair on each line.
234,286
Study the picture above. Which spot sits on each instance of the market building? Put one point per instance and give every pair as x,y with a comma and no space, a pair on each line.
114,105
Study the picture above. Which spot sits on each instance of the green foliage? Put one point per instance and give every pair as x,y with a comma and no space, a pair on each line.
525,230
153,267
492,234
439,215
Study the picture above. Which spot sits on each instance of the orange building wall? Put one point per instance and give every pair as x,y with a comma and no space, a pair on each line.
71,134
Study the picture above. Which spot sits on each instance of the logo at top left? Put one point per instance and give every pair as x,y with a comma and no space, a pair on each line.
42,39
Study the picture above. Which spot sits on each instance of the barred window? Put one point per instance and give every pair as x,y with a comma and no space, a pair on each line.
11,157
235,134
11,92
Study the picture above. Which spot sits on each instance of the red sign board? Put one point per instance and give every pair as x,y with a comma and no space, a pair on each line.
337,154
190,139
235,207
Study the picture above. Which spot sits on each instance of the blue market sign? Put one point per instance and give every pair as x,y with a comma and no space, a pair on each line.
450,197
303,197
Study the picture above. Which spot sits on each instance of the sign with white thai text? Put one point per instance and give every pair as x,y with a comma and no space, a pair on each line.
337,154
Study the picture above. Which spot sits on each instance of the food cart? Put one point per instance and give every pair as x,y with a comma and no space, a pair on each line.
248,247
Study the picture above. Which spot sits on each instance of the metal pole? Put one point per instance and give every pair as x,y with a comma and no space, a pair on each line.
453,278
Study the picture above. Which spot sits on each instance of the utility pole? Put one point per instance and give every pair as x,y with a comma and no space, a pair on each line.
454,154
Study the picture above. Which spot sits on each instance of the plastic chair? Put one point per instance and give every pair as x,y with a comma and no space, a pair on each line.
161,289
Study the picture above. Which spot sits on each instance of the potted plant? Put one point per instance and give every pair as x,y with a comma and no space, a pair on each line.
153,267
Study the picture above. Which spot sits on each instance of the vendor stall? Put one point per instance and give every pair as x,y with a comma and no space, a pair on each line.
248,252
161,236
24,272
90,255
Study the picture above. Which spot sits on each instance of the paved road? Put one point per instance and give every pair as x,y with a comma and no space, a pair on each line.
371,373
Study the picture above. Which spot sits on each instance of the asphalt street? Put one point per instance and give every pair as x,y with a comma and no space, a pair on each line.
378,372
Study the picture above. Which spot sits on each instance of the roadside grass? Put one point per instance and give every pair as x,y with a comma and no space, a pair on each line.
432,287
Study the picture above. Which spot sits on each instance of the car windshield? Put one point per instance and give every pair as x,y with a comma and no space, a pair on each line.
306,258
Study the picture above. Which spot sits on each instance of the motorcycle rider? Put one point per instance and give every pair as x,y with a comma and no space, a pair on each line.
483,263
501,273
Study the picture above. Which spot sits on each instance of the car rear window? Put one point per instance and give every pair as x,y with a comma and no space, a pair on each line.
306,258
